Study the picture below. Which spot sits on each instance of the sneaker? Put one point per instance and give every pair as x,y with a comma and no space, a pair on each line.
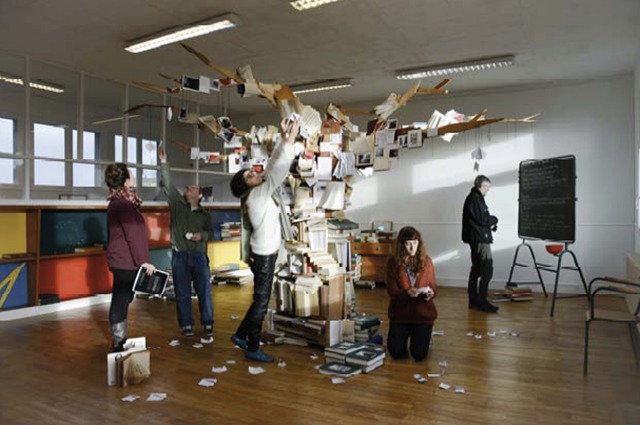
208,330
259,356
187,331
240,342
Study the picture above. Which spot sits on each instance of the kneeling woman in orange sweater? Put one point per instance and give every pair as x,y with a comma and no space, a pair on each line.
411,284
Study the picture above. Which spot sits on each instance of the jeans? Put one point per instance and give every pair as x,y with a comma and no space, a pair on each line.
418,335
188,267
481,268
262,267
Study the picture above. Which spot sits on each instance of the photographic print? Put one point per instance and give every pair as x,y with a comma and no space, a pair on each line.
364,160
414,139
403,141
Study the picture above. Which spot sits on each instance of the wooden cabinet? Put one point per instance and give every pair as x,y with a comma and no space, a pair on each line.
59,249
375,256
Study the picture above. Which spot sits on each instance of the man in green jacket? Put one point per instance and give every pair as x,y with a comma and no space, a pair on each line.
190,230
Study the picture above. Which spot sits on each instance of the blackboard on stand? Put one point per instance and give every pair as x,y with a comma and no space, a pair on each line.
546,201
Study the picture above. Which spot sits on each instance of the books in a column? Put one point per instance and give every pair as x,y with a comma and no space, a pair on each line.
150,284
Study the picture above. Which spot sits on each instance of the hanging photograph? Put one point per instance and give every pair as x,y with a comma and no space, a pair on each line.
403,141
414,139
364,160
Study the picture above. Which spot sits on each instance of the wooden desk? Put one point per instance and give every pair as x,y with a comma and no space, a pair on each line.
375,256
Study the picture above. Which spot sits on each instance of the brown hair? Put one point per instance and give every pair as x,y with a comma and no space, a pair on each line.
116,174
402,258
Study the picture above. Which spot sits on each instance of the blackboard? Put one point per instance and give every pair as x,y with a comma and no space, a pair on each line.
547,195
63,231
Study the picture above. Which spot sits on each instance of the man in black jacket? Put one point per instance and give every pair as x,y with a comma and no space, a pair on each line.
477,225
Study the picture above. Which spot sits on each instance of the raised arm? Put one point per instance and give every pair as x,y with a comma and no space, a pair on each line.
165,181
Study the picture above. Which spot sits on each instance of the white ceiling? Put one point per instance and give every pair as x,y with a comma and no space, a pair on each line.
366,40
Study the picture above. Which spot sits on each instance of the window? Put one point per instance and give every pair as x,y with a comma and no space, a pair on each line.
84,175
7,145
48,142
132,156
149,157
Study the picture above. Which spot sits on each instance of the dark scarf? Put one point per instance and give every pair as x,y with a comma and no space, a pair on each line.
128,193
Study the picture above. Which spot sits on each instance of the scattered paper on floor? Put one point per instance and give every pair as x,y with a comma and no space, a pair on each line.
256,370
231,362
282,363
207,382
206,340
421,379
157,396
459,390
337,380
437,333
174,343
197,345
444,386
130,398
221,369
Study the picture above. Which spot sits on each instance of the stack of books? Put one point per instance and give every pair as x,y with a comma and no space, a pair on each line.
364,355
511,293
365,326
230,231
233,274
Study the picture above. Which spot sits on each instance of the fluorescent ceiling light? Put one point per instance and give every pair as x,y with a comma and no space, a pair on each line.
37,84
183,32
456,67
301,5
321,85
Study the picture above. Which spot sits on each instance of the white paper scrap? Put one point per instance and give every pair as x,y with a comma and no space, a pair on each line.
313,356
434,375
444,386
256,370
459,390
337,380
174,343
234,317
206,340
470,334
478,336
207,382
491,334
514,334
157,396
197,345
130,398
231,362
438,333
282,363
421,379
221,369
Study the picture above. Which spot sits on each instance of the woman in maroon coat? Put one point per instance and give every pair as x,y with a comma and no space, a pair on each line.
411,284
128,248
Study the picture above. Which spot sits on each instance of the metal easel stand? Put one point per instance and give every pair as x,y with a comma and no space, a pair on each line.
548,268
515,264
558,269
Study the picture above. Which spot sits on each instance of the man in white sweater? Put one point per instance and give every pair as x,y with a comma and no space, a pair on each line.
261,213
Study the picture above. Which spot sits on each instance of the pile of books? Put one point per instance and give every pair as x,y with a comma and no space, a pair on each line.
364,355
511,293
365,326
233,274
230,231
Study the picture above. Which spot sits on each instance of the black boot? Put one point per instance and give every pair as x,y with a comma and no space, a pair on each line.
119,336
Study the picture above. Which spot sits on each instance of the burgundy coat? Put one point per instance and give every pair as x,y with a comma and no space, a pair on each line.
402,307
128,248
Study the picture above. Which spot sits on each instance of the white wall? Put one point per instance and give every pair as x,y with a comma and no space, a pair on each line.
636,193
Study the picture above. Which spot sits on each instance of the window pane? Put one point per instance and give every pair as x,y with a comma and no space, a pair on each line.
84,175
118,148
7,144
48,141
149,157
132,150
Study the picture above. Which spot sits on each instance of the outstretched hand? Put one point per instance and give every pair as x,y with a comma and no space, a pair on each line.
162,154
290,129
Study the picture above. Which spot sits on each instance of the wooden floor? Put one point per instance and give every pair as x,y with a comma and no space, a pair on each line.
53,371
